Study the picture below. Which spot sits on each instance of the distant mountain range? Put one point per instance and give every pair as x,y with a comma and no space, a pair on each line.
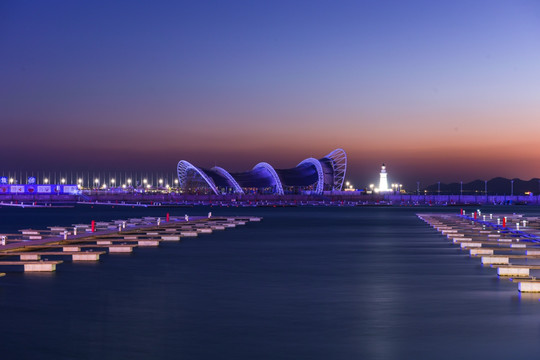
496,186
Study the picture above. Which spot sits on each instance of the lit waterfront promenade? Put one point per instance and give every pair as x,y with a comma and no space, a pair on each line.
344,198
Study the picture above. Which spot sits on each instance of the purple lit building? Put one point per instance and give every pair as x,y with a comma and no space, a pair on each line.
311,175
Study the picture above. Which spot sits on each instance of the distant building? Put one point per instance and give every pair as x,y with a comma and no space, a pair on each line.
310,175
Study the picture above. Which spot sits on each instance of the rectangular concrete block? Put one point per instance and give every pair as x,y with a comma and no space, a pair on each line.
104,242
532,252
39,267
30,257
120,249
463,239
519,246
510,271
449,231
189,234
85,256
148,243
481,252
494,260
466,245
130,237
526,286
170,238
71,248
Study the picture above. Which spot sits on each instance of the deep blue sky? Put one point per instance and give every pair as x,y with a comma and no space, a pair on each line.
439,90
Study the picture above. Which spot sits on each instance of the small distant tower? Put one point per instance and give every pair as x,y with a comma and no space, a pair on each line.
383,182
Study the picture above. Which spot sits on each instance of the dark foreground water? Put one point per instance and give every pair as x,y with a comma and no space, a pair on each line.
305,283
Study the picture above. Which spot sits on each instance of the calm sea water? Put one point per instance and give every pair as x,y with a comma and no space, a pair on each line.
305,283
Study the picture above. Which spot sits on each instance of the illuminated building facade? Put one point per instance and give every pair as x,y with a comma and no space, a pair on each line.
310,175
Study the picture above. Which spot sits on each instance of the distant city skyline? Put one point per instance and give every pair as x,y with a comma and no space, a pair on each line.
438,91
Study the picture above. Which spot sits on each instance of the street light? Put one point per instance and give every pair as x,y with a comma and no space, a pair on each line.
144,181
113,181
11,180
62,181
129,181
160,182
46,181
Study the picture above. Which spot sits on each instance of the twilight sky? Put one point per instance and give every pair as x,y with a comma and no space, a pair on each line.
438,90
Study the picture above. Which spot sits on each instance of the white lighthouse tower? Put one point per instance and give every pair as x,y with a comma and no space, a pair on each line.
383,182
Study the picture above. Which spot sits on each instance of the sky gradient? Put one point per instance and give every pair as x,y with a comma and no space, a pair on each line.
438,90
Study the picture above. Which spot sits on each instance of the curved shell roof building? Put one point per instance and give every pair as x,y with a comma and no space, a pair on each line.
314,175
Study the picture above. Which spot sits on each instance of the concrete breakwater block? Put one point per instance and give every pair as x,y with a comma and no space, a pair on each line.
532,252
189,233
449,231
513,271
148,243
71,248
41,266
120,249
104,242
494,260
518,245
85,256
458,240
204,230
529,286
170,238
26,257
481,252
466,245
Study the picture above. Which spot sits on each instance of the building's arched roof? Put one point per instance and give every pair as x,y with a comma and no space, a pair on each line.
339,164
231,181
274,176
327,173
320,173
184,167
